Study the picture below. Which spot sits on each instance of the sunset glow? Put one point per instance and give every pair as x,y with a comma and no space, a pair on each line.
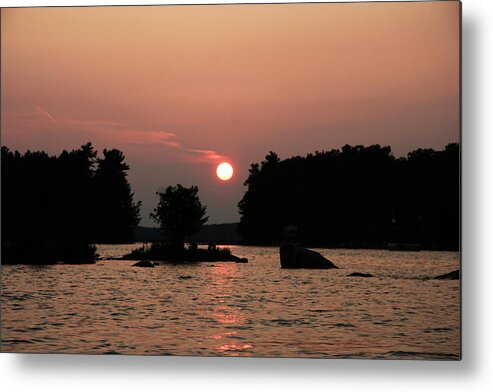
224,171
233,180
175,87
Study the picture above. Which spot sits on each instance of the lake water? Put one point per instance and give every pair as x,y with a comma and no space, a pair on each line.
254,309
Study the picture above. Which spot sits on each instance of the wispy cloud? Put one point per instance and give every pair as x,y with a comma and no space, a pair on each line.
44,113
107,133
208,154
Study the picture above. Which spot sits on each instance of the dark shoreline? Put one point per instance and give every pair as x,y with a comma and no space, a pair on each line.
219,244
432,248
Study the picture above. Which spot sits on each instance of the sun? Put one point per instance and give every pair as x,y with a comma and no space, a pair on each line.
224,171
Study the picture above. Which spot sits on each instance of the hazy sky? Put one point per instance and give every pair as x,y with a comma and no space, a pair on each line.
181,88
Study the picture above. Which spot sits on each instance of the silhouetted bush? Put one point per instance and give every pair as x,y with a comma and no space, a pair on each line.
162,251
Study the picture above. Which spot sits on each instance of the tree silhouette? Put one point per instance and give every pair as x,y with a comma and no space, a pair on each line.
355,197
117,213
55,207
179,213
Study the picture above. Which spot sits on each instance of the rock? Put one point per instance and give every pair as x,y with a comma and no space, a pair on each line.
361,274
144,263
155,263
293,256
185,277
237,259
450,276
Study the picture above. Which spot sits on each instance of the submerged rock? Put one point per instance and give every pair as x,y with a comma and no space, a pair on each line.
450,276
361,274
144,263
293,256
236,259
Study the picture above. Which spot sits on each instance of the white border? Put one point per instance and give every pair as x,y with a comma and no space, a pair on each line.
85,373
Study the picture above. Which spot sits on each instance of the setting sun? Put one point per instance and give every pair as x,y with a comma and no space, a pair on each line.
224,171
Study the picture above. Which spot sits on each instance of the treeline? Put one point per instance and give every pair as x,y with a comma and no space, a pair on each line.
55,207
223,233
356,197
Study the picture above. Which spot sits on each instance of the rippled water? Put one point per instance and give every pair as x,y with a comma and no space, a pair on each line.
254,309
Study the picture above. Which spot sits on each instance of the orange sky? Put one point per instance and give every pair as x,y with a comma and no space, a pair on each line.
179,88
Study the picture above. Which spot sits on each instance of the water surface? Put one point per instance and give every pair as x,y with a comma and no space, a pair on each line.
254,309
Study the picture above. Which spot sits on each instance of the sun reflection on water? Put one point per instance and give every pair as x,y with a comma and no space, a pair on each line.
252,309
224,311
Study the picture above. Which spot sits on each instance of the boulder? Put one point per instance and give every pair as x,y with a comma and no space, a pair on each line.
293,256
450,276
237,259
144,263
361,275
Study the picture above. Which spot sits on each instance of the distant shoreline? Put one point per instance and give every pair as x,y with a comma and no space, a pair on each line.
338,246
226,234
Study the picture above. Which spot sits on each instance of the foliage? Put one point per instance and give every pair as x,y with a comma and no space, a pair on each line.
356,197
118,215
162,251
52,205
179,213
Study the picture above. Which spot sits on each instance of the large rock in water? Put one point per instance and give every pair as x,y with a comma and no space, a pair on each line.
450,276
293,256
361,275
144,263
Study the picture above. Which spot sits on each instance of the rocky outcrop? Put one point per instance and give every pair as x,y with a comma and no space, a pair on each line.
450,276
144,263
361,275
293,256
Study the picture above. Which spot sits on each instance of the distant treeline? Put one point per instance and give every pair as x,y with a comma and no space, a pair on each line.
54,207
356,197
224,233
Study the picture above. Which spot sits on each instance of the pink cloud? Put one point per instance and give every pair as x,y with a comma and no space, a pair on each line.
30,125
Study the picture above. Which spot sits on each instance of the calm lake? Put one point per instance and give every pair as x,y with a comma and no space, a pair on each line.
254,309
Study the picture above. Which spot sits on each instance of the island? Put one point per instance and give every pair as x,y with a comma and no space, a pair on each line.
162,251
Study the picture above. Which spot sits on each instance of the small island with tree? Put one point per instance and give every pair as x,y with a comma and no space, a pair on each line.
180,215
56,208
